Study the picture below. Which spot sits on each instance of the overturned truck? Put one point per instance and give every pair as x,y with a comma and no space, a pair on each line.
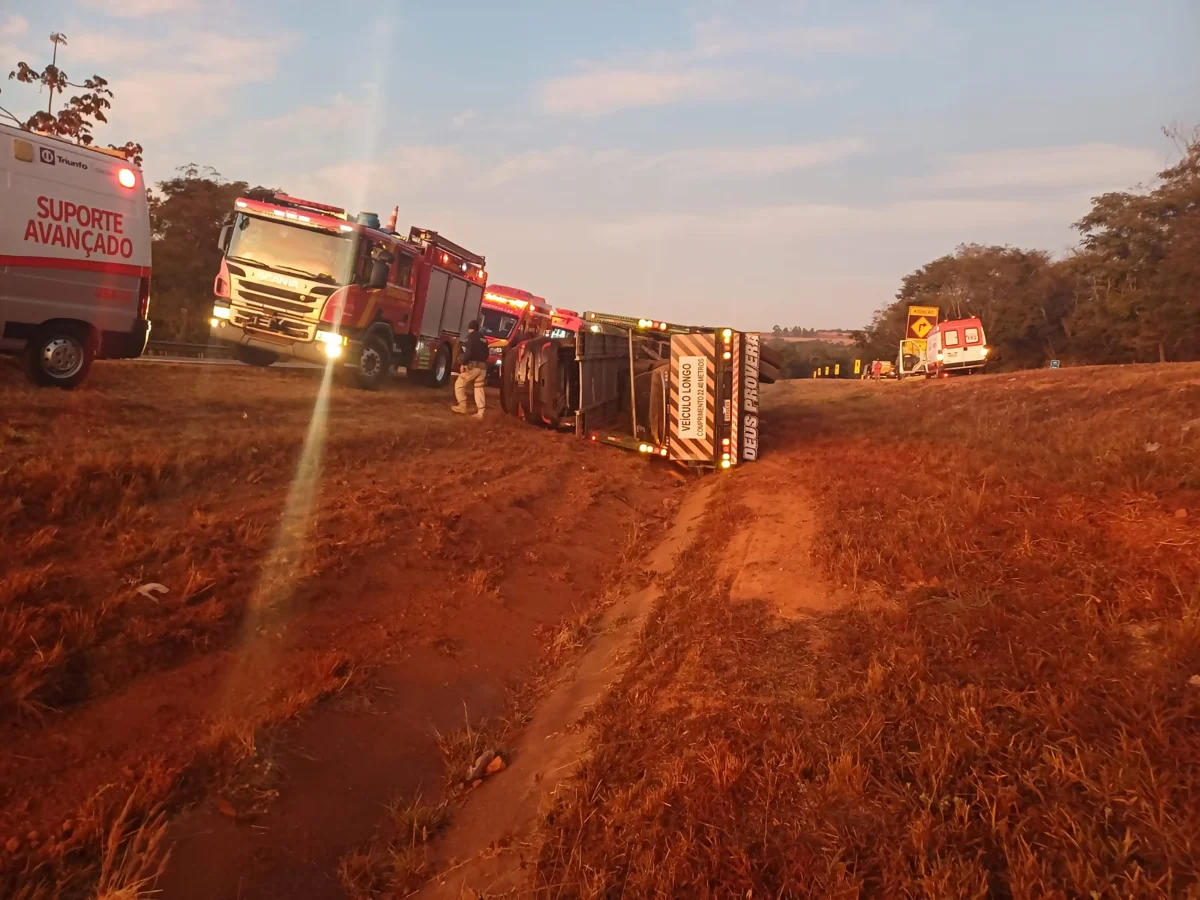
685,393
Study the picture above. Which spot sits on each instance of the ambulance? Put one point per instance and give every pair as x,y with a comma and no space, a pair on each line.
74,256
957,347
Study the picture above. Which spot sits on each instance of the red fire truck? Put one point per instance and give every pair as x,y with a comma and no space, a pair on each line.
509,315
301,279
564,323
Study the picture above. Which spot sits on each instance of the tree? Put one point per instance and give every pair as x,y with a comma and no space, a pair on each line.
1139,269
186,215
79,115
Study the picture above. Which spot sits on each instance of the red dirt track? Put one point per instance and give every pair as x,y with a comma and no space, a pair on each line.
321,620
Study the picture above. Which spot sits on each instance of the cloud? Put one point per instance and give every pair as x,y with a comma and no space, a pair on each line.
166,86
139,9
537,162
785,223
768,160
463,118
14,25
601,92
717,38
340,112
1102,166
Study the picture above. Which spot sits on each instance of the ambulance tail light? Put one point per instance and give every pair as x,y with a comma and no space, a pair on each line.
144,299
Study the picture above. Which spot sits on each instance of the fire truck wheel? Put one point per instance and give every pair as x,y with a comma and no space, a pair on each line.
253,356
374,363
59,356
440,376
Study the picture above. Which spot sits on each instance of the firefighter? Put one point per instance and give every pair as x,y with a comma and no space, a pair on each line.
474,359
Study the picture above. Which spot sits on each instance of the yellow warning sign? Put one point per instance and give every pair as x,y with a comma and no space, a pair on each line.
921,321
858,367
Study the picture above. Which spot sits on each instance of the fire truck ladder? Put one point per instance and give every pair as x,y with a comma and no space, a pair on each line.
424,235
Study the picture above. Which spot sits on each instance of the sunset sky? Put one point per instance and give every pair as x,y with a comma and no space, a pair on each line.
756,163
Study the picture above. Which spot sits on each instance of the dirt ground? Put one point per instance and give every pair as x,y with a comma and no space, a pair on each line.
942,640
235,593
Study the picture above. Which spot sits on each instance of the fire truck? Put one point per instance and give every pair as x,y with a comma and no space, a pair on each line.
303,280
687,394
510,315
564,323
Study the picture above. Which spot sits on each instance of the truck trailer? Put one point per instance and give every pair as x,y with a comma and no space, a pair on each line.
687,394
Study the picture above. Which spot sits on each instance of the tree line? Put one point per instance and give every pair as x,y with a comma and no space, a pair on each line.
1128,292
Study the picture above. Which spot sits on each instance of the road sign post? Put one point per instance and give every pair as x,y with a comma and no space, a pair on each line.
921,321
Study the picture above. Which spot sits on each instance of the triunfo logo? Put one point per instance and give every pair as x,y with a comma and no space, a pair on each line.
50,158
750,398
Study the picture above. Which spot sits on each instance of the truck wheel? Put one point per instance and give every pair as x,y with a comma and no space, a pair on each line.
442,367
59,356
374,363
253,356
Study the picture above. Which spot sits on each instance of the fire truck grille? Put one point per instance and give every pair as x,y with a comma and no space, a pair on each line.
276,325
267,302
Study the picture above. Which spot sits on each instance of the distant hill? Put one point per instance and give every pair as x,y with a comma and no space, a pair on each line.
841,336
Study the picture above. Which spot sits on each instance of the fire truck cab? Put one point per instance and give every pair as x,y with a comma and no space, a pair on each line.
508,316
300,279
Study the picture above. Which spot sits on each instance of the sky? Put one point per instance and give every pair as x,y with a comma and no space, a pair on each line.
753,163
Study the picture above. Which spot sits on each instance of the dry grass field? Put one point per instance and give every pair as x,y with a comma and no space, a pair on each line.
304,542
989,687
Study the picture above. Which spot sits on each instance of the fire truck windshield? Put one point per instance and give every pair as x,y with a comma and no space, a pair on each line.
496,324
292,248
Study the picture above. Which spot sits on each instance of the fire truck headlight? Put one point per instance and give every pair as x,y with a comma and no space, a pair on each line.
214,322
332,339
220,312
333,351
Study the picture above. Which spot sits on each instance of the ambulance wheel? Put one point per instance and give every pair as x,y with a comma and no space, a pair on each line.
442,367
254,356
374,363
59,356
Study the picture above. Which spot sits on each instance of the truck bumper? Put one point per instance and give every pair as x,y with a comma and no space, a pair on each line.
125,344
306,351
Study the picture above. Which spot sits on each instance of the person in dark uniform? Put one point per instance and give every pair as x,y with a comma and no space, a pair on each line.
474,355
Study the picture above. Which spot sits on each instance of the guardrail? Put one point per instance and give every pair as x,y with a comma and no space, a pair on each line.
189,351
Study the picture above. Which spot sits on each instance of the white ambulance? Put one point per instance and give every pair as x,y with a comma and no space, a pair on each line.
74,256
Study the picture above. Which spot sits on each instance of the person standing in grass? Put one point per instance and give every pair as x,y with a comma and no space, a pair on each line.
876,370
474,356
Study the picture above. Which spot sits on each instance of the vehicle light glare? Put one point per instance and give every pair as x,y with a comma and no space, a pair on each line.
727,333
986,351
724,464
241,204
331,338
727,355
346,227
333,351
221,312
214,322
127,178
